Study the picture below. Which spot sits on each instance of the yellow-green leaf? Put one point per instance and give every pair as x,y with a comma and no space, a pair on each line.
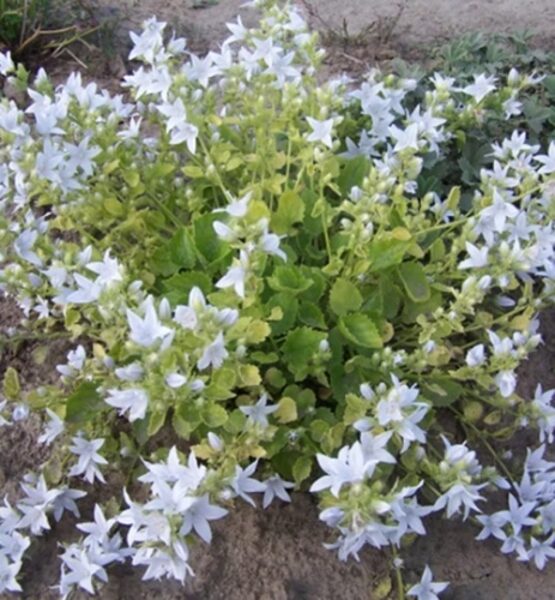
287,410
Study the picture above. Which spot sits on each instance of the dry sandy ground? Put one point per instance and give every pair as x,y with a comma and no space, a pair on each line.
278,554
421,22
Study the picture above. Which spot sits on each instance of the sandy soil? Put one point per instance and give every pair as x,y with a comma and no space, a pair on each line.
278,554
421,23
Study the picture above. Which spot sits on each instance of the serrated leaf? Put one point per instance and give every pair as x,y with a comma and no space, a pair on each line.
257,331
344,297
311,315
290,210
360,330
301,344
182,250
415,282
249,375
289,279
289,306
214,415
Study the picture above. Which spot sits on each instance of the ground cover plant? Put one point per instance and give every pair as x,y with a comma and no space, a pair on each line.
320,286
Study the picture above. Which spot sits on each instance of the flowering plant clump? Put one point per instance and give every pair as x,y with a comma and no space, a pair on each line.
300,281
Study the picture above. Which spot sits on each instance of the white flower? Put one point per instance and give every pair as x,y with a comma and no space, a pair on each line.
65,500
134,400
108,270
236,275
88,459
197,516
6,65
237,208
321,131
427,589
481,87
80,156
186,132
540,551
404,138
506,382
517,515
148,330
175,113
269,243
175,380
53,428
276,487
492,525
548,160
476,356
131,372
214,354
350,466
478,257
23,247
224,232
99,529
79,568
88,290
9,571
258,413
243,484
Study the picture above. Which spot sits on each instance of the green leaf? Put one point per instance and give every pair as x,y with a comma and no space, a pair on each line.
360,330
176,288
214,415
352,173
249,375
84,403
10,385
287,410
182,250
156,421
257,331
186,418
290,210
386,251
414,280
549,84
302,468
355,409
289,306
301,344
206,240
391,297
344,297
311,315
113,206
442,391
289,279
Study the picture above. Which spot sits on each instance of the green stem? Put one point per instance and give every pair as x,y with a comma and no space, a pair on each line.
398,575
